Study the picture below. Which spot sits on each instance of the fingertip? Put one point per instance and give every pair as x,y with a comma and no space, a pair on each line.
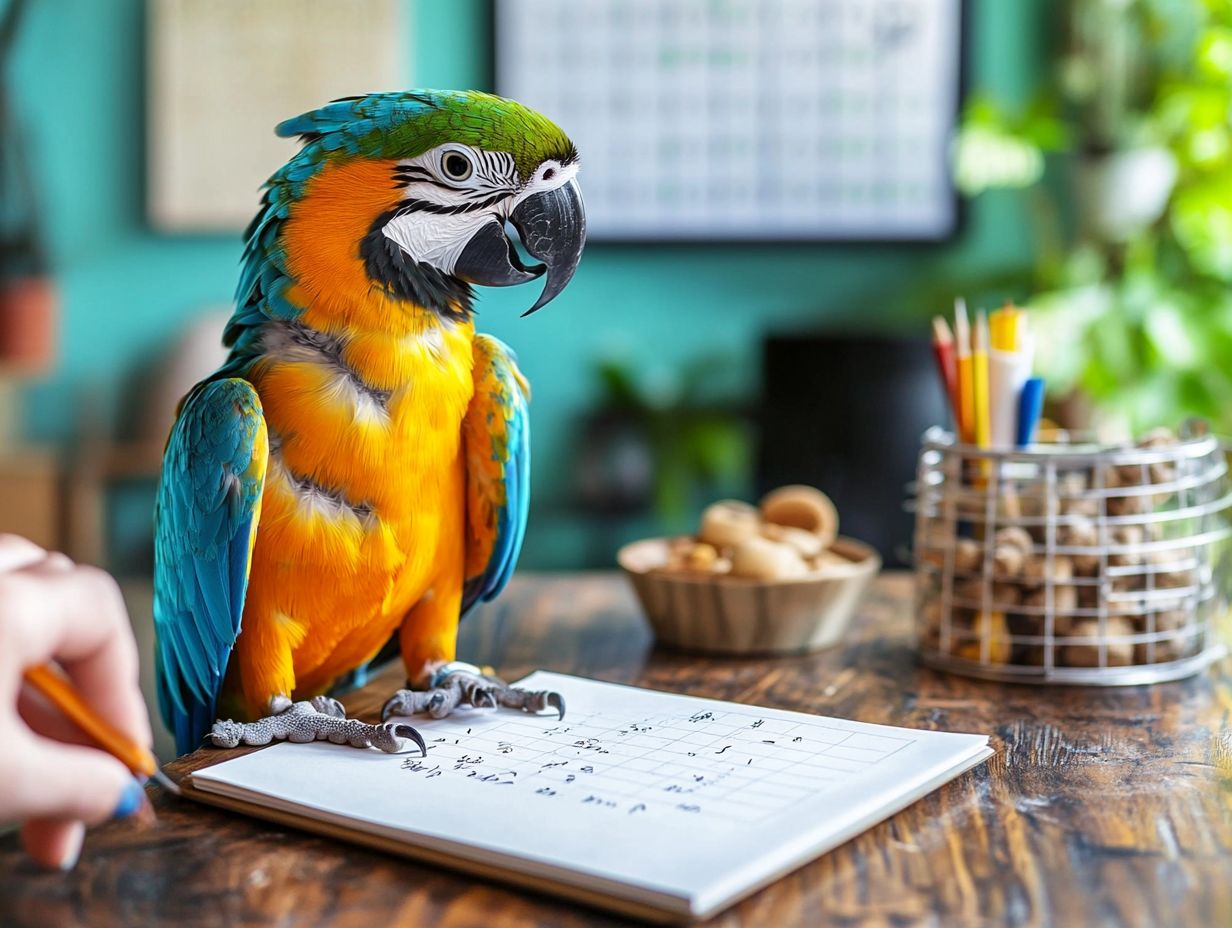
70,851
53,843
68,782
58,561
17,552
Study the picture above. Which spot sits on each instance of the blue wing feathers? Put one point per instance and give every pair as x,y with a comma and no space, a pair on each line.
509,404
512,524
208,497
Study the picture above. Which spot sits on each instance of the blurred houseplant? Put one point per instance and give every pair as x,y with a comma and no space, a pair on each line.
27,292
1124,156
662,442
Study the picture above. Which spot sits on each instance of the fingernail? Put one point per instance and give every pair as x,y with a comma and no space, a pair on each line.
130,800
72,850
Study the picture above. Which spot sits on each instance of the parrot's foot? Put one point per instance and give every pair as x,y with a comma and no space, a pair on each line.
458,684
321,719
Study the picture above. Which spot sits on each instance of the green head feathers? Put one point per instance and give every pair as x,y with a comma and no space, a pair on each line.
405,125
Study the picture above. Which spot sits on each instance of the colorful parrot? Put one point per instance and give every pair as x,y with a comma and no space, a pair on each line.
359,467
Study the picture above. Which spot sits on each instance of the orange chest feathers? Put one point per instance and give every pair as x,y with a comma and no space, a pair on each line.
364,395
364,504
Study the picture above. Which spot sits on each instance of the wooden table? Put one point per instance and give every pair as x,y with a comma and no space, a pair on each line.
1101,807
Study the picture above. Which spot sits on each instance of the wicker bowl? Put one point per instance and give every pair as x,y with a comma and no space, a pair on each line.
733,615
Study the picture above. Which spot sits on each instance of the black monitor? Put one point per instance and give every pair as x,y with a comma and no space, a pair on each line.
846,414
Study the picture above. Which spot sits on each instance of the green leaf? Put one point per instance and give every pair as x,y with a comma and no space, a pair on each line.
718,449
1201,219
1171,337
985,158
618,386
1214,53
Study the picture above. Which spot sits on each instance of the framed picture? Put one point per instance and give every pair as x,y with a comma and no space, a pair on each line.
223,73
705,120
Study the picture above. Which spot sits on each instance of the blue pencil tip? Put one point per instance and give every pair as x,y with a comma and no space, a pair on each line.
1030,408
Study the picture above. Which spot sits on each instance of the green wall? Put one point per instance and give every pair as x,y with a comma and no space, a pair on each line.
127,290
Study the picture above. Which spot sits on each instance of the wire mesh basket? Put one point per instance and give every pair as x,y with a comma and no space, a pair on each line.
1071,562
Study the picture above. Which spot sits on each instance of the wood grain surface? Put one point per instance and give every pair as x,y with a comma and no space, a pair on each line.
1101,806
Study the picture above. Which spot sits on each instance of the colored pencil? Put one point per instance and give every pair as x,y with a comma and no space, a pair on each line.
1004,324
962,347
1030,405
52,684
979,369
947,367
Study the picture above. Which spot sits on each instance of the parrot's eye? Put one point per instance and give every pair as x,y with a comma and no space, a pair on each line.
456,166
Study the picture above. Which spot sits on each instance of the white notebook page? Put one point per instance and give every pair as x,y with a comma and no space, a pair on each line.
674,801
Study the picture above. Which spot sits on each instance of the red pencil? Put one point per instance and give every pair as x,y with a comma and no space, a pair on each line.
943,348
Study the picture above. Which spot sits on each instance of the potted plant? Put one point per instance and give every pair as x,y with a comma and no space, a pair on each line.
1128,166
663,443
28,297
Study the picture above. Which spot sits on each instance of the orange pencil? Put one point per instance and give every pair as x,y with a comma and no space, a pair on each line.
943,350
60,693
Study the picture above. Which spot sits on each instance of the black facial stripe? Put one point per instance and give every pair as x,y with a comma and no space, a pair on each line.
413,174
489,195
494,167
407,279
493,191
426,206
432,181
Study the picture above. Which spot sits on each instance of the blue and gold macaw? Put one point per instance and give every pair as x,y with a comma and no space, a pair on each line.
358,468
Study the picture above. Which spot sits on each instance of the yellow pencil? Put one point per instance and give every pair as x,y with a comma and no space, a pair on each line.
962,351
979,378
1003,328
61,694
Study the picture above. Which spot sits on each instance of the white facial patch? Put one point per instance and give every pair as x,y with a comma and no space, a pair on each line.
435,239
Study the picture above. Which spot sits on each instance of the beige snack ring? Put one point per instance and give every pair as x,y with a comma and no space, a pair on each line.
802,507
761,559
729,522
829,564
806,543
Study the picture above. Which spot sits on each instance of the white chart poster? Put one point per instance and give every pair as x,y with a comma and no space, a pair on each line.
747,119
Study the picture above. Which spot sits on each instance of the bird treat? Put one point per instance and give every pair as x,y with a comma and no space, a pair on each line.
787,537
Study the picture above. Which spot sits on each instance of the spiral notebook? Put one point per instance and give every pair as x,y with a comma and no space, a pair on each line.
663,806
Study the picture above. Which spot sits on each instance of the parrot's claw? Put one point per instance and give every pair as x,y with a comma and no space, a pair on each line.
329,706
457,687
321,719
534,701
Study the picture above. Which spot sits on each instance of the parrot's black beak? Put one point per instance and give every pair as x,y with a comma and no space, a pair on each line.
552,226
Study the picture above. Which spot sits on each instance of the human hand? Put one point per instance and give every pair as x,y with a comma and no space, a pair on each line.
52,778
